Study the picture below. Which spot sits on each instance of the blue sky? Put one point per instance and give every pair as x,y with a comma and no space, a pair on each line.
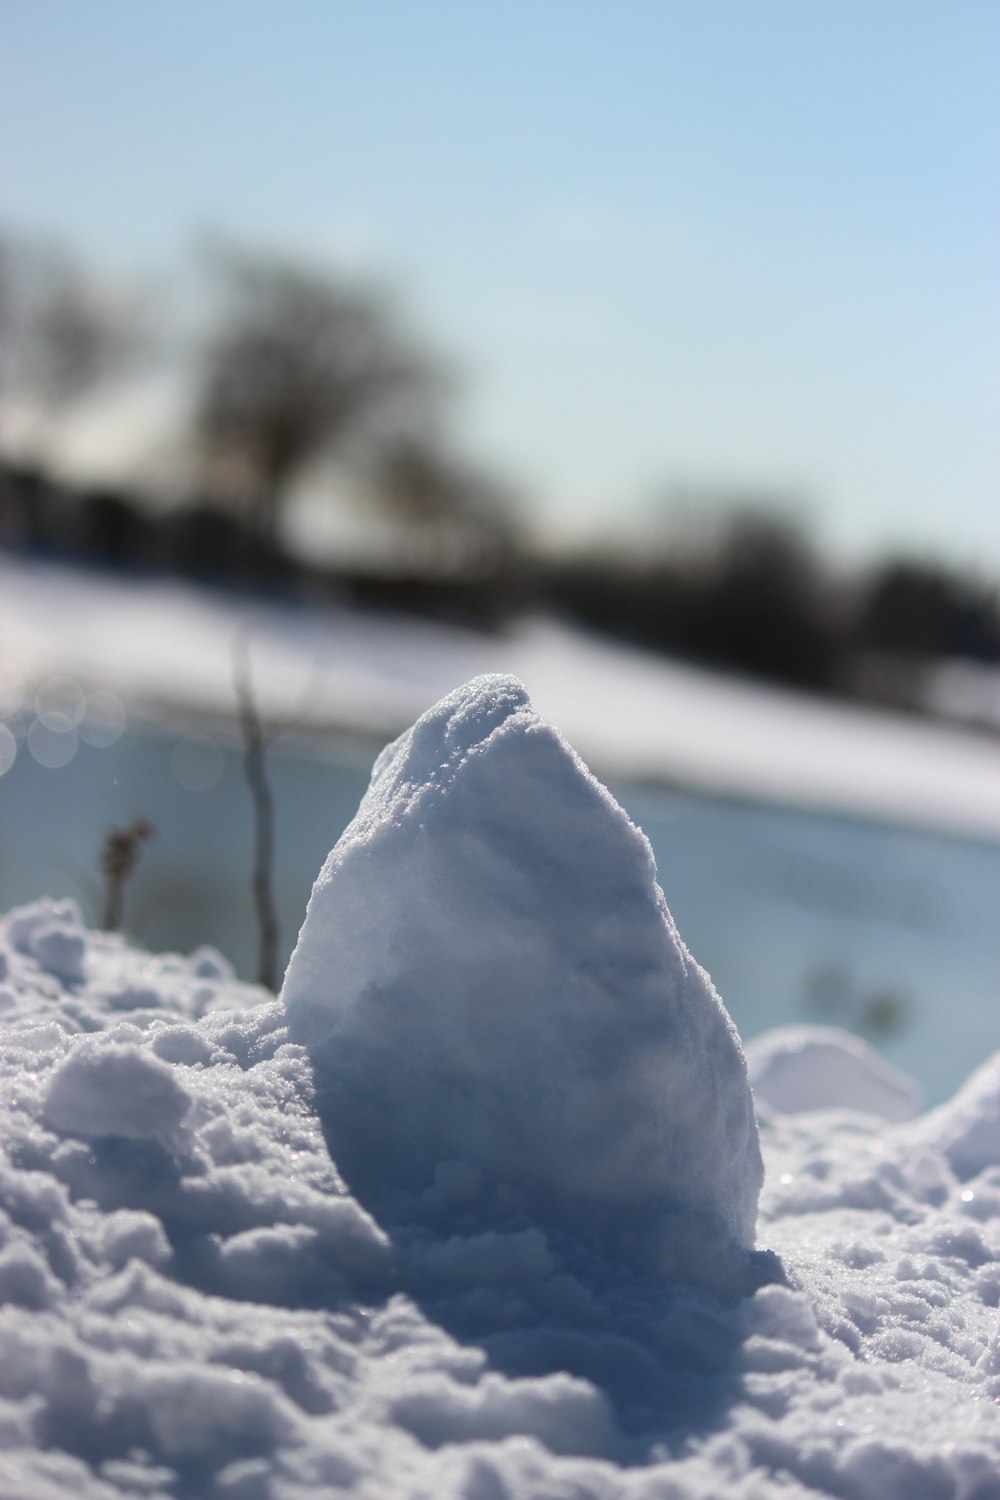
704,244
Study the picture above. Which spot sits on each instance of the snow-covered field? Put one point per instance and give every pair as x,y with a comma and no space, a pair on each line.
161,646
471,1209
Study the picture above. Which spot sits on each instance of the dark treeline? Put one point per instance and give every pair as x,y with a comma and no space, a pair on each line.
758,600
483,581
755,601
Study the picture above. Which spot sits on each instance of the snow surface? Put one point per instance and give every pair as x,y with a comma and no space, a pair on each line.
193,1303
162,645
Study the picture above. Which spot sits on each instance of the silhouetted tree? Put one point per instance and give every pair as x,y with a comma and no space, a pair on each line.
295,366
456,529
60,332
766,610
202,540
418,483
748,594
111,528
922,609
453,504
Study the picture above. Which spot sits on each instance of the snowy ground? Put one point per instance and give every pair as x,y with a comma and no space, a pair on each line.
160,645
516,1297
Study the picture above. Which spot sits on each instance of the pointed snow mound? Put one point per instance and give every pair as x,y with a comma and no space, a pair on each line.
796,1069
505,1024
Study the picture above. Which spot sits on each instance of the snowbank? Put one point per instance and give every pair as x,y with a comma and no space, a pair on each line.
193,1304
163,646
501,1013
799,1068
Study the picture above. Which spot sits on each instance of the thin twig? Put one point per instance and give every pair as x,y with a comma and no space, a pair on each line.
255,771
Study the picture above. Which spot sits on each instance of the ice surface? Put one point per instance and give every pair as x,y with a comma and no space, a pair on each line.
500,1008
797,1068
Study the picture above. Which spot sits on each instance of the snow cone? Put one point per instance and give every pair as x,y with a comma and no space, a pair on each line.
500,1009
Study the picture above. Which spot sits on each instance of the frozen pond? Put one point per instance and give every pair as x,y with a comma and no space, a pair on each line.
798,916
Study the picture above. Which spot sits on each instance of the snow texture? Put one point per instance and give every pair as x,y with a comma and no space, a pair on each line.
103,1089
502,1014
193,1305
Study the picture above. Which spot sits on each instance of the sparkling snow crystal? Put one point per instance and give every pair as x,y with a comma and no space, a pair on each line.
501,1010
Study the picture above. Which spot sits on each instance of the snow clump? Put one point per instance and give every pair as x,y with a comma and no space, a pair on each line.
107,1088
502,1014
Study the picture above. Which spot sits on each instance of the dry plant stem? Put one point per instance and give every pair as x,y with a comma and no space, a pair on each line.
255,770
118,859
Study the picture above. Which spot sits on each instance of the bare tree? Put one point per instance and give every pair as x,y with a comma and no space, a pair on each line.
418,483
61,332
297,365
454,516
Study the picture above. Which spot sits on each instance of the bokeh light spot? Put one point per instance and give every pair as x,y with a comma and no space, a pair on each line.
103,722
61,694
197,762
11,696
8,749
52,740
